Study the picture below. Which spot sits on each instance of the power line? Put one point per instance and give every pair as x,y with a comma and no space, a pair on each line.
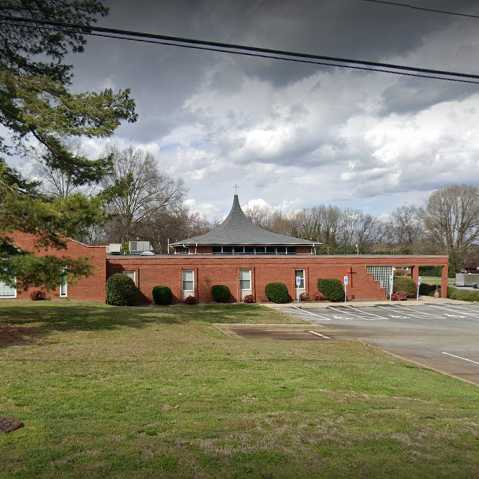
424,9
272,57
232,52
245,50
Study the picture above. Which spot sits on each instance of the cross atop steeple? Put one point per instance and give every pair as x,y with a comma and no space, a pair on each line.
236,189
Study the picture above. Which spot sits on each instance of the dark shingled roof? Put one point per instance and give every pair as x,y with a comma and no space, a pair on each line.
238,229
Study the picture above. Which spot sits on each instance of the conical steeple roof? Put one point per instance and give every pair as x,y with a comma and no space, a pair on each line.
238,229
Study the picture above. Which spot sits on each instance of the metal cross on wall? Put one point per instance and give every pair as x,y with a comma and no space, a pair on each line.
351,272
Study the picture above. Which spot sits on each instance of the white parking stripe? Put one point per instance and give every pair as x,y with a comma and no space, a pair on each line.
418,311
365,312
460,357
325,318
394,314
346,316
451,310
465,310
319,334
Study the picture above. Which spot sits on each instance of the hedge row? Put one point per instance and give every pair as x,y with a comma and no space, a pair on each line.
455,293
121,291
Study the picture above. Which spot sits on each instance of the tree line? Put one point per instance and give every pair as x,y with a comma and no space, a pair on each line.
142,202
448,223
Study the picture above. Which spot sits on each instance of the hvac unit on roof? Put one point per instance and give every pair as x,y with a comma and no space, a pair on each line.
113,248
139,247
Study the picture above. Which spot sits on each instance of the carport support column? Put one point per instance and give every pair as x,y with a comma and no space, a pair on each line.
415,273
444,281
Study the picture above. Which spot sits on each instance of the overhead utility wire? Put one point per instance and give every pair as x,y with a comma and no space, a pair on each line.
273,57
424,9
192,41
244,50
328,64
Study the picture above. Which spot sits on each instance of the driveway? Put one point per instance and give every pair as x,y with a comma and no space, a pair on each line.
441,336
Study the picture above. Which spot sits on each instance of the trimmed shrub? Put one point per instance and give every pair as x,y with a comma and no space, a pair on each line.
162,295
191,300
455,293
38,295
405,285
248,299
427,289
277,293
221,293
331,289
121,290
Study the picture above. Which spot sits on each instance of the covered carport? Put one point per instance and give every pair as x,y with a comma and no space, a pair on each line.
383,269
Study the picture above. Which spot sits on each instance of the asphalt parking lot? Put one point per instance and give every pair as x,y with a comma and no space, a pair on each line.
441,336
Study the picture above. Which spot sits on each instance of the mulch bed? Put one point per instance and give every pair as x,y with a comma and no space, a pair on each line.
10,335
10,424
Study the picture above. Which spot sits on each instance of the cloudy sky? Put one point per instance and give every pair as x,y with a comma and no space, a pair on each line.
293,135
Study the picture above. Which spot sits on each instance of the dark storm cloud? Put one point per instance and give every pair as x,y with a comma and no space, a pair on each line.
274,125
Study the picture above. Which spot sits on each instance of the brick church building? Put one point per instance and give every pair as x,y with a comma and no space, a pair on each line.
240,255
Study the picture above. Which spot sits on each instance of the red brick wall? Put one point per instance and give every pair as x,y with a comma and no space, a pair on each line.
88,289
211,270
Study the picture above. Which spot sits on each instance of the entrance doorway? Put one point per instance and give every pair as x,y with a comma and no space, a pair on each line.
245,283
299,283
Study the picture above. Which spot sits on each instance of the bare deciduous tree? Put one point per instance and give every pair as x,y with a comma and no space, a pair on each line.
319,224
404,231
137,190
163,226
451,219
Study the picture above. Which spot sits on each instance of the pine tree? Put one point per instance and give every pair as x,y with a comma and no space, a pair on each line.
37,105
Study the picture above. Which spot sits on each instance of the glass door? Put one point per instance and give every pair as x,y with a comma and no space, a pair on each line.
299,283
245,283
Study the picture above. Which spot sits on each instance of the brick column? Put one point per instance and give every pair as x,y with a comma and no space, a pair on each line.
415,273
444,281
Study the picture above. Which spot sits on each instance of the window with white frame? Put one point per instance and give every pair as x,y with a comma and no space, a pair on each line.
245,280
188,281
131,274
7,291
64,286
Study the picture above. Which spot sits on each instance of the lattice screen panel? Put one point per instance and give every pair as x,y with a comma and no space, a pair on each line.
382,274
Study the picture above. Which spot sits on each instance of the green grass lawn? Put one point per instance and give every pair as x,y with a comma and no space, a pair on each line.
436,280
161,392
